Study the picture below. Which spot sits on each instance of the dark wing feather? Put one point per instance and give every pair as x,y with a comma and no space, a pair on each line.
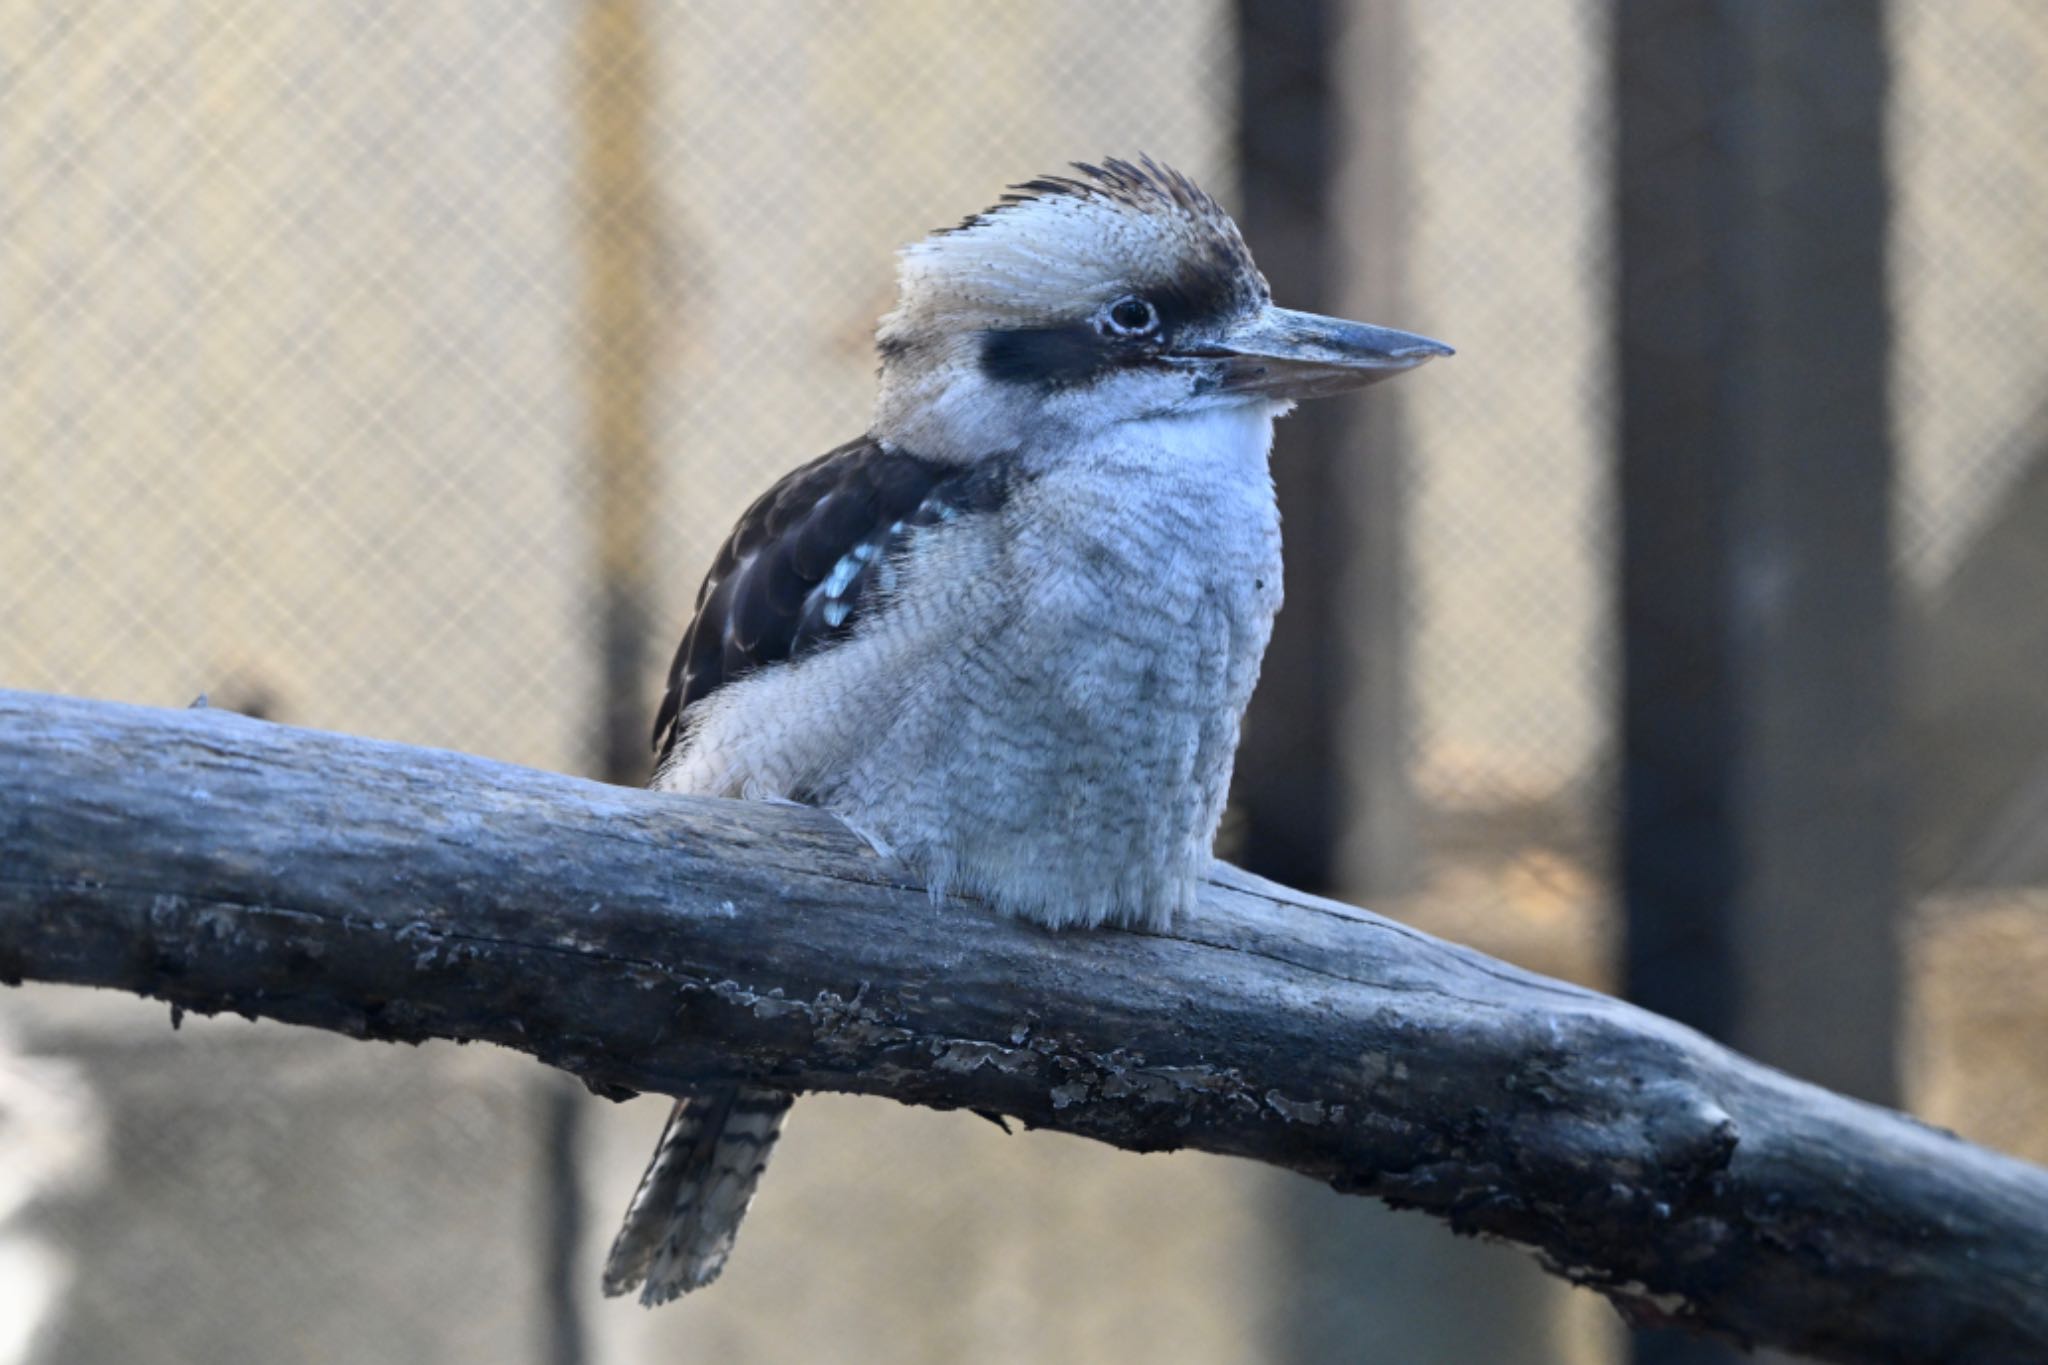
797,569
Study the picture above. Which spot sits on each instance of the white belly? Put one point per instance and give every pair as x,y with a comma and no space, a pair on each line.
1047,715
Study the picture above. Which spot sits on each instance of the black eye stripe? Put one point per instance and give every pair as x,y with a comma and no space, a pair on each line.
1060,356
1048,357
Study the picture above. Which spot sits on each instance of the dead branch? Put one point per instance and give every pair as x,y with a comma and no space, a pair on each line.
644,941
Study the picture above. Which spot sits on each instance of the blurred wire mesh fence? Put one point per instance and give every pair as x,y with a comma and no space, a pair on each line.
396,369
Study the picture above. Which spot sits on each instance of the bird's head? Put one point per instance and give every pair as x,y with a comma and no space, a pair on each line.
1121,293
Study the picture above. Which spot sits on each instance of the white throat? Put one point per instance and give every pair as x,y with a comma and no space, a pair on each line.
1217,445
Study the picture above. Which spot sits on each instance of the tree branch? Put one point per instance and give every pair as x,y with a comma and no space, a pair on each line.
645,941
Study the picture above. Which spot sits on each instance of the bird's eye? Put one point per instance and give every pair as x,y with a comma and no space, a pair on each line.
1130,317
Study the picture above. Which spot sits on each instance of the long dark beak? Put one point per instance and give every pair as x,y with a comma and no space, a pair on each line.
1281,354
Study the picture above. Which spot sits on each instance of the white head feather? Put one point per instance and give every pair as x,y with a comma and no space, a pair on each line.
1057,247
1054,252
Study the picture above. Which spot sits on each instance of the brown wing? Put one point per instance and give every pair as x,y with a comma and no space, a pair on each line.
802,563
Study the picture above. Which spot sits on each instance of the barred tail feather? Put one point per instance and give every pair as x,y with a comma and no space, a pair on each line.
680,1226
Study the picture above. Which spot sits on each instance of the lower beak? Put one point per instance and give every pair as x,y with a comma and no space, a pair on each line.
1281,354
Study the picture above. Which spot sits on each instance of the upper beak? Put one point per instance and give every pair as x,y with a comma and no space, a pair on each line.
1282,354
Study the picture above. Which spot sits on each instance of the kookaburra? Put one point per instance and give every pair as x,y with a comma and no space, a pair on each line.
1009,633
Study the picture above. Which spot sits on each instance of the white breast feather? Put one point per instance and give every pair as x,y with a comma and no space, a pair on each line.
1044,711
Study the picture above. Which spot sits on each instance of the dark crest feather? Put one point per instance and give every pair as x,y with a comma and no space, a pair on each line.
1136,185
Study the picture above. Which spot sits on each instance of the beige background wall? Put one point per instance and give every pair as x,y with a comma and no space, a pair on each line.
299,381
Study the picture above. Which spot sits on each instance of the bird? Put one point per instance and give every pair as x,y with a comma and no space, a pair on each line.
1008,634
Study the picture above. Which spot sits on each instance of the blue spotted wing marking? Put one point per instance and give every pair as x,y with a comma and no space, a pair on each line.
802,563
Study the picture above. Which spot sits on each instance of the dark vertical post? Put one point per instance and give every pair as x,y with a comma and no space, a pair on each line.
1323,777
617,208
1370,601
612,90
1759,850
565,1278
1337,664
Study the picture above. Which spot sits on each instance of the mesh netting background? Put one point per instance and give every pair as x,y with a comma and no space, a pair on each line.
349,351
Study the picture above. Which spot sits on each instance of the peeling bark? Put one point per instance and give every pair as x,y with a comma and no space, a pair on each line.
645,941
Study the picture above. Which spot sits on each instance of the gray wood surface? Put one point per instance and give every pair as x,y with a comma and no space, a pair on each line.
642,941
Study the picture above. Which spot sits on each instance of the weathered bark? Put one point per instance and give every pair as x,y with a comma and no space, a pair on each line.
644,941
